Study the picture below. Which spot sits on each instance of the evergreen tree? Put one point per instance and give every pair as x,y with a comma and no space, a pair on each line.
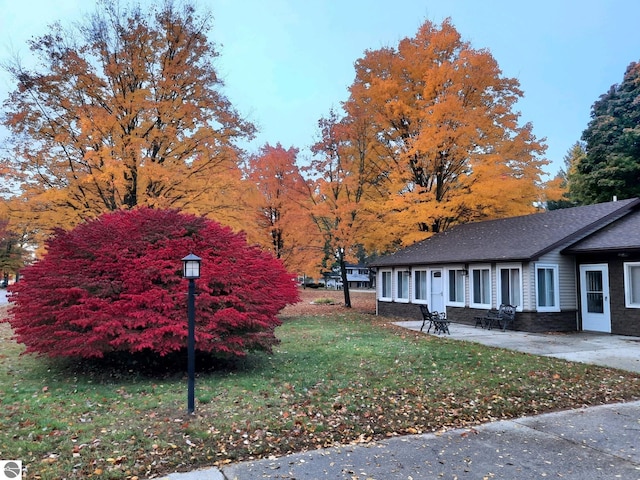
611,166
569,182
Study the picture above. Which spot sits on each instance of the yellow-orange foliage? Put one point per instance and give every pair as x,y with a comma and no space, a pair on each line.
132,115
445,117
345,184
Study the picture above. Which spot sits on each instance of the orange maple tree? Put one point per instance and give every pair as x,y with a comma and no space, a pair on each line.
454,150
282,207
124,112
345,186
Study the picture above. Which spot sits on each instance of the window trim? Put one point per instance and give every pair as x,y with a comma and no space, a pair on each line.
556,286
472,304
628,301
383,298
509,266
414,290
406,274
448,301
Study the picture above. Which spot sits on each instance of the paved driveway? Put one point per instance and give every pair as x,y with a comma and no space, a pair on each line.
617,351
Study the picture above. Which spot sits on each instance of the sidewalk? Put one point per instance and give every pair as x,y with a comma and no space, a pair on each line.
601,442
594,443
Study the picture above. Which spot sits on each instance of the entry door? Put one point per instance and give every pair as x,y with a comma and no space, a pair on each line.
437,292
594,293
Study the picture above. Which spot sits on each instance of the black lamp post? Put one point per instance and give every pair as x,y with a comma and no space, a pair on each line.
191,270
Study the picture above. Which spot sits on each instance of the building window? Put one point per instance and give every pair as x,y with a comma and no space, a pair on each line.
509,286
632,285
385,285
403,285
456,287
481,287
547,288
420,285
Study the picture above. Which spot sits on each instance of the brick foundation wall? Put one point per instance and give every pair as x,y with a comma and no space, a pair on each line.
410,311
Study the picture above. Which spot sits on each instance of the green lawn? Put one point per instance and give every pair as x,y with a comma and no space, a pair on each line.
338,378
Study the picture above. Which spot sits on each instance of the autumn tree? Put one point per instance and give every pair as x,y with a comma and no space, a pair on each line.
455,151
283,208
115,284
611,164
345,186
126,110
12,253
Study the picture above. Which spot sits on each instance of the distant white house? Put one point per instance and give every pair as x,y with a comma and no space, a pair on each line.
358,276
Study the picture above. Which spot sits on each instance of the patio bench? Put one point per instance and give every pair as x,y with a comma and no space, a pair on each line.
502,317
507,316
487,319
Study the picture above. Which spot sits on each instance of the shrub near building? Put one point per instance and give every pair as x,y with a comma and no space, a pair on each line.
115,284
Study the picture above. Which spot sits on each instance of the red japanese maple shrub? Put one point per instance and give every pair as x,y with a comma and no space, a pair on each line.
115,284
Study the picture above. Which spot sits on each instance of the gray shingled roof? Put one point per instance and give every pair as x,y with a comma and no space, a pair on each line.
624,234
510,239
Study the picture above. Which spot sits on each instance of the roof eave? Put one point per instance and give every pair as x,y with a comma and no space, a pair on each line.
600,250
588,229
456,262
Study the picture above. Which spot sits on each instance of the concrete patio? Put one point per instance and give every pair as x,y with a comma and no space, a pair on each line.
604,349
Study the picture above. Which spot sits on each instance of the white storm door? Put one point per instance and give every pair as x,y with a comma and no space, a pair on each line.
594,295
436,303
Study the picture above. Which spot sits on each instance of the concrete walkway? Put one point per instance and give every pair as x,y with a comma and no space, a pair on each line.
596,443
593,443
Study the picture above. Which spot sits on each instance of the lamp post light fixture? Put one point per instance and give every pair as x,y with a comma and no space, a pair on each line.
191,271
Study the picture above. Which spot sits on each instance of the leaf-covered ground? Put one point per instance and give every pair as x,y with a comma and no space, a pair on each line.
314,301
337,377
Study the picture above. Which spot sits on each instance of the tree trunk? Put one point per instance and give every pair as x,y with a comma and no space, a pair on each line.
345,283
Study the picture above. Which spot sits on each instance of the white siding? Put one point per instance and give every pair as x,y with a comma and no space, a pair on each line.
528,285
567,279
566,272
494,285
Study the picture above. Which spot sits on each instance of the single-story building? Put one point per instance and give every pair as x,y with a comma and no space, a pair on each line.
565,270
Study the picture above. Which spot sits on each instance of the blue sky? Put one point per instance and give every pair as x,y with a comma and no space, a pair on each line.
287,62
